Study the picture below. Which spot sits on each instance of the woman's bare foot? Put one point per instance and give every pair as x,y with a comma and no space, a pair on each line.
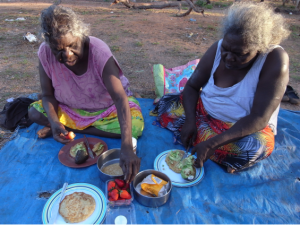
230,170
44,132
137,95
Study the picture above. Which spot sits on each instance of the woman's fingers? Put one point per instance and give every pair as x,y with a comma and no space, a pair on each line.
194,150
61,138
59,133
198,163
184,140
63,130
194,136
129,171
130,165
133,172
124,169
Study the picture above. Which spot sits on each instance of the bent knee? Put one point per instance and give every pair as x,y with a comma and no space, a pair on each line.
35,116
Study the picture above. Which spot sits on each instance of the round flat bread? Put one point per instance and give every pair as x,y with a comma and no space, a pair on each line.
77,207
173,165
76,148
98,148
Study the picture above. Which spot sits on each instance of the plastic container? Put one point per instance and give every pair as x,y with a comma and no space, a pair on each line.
119,202
120,209
127,211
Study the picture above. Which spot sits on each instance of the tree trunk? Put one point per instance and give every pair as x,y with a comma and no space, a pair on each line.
166,4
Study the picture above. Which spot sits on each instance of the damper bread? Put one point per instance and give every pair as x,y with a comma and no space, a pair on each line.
77,207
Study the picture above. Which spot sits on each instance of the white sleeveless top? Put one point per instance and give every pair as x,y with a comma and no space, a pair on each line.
233,103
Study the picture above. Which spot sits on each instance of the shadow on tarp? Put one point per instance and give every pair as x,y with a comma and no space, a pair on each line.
269,192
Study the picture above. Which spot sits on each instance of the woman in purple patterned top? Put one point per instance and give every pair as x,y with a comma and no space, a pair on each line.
84,89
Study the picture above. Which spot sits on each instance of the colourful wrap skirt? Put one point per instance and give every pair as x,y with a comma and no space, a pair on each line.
105,120
238,155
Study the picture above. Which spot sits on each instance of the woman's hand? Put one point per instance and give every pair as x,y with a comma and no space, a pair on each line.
204,151
59,132
188,133
130,164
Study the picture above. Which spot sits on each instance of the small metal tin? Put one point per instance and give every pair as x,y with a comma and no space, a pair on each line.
151,201
109,157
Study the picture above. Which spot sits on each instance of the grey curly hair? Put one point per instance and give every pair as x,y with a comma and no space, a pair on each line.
258,24
58,20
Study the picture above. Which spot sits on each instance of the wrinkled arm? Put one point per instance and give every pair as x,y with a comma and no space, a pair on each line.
130,163
50,104
191,94
198,79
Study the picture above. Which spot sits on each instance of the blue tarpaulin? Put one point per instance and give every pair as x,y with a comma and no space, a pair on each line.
269,192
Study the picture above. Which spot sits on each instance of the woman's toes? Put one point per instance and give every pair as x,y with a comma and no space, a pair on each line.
230,170
44,132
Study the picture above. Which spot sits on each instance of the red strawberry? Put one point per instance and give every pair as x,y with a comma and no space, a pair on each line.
125,194
111,185
111,199
120,183
118,188
114,194
127,186
109,193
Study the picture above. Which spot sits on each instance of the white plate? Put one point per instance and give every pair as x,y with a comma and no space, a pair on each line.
53,204
161,165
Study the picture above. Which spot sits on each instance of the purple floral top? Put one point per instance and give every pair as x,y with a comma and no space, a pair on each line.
86,91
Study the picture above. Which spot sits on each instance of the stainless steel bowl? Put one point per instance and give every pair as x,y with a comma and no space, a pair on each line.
151,201
107,158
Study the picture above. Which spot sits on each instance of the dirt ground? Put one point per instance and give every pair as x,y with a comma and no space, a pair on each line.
138,39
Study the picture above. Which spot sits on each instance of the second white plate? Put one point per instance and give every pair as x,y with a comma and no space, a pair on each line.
161,165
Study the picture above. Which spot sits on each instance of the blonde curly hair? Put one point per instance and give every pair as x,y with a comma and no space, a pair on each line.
58,20
258,24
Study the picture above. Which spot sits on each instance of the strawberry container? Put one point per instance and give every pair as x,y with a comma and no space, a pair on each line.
118,202
121,209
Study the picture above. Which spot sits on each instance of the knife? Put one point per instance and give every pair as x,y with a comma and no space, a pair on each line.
88,147
187,150
55,209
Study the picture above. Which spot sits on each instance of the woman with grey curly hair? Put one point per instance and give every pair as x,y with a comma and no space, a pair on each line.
84,89
243,78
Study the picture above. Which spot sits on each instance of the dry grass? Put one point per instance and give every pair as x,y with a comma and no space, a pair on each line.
138,39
